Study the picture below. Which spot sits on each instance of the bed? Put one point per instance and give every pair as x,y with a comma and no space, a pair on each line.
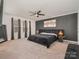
45,37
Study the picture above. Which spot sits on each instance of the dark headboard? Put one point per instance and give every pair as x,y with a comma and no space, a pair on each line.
56,31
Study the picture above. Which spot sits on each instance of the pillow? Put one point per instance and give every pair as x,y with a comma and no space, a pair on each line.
49,33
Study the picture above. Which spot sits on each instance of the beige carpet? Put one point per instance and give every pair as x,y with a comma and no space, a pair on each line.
24,49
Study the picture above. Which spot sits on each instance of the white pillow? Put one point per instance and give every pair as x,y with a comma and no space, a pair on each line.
49,33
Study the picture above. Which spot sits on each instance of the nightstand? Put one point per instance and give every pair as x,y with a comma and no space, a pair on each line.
61,38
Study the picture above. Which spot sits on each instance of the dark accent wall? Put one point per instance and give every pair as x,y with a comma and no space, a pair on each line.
1,11
3,30
67,22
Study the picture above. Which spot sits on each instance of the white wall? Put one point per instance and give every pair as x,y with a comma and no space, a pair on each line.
7,22
33,27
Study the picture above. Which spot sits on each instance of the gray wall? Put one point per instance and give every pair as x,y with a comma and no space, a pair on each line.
1,11
2,27
67,22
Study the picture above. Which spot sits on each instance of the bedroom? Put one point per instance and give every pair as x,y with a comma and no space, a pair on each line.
64,13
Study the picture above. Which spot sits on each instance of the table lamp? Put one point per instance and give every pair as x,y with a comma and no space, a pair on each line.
60,33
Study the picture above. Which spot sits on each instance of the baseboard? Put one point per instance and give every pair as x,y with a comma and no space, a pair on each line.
71,42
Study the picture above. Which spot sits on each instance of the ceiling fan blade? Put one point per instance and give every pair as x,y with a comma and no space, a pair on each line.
38,11
42,14
33,14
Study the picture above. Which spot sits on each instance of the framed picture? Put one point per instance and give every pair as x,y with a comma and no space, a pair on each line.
50,23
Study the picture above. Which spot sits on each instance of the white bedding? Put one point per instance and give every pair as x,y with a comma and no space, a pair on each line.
49,33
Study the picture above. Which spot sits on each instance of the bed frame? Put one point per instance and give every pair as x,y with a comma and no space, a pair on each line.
56,31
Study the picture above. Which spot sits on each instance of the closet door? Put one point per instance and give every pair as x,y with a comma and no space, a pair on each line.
19,28
12,29
29,28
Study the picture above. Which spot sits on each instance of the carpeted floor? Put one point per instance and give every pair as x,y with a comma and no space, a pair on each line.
24,49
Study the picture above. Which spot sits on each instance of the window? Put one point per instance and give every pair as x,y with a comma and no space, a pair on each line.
50,23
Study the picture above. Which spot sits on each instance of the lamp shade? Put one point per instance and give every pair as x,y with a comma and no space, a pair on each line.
61,33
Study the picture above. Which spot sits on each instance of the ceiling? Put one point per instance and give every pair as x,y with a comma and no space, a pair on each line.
51,8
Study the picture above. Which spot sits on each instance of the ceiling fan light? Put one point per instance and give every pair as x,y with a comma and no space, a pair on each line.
36,15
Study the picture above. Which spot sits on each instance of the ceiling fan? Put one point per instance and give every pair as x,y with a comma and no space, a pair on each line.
37,13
